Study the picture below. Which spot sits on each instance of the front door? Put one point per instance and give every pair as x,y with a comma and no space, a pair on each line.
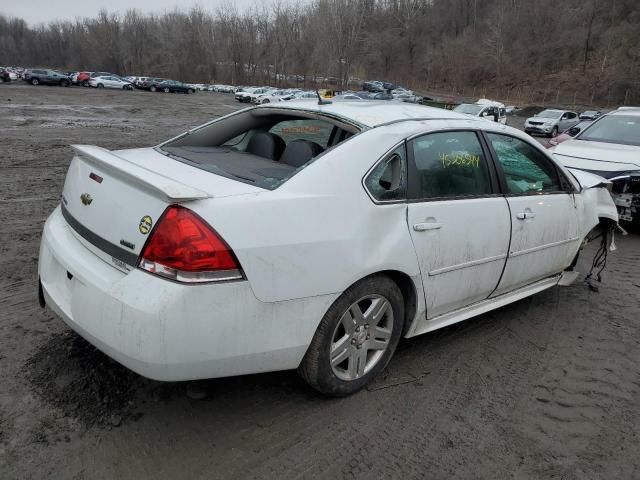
544,222
459,225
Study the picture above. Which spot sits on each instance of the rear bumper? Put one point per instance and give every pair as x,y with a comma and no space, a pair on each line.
165,330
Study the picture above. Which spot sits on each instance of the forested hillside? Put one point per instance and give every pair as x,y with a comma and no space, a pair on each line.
585,51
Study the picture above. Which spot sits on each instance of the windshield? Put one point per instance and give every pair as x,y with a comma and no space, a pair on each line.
623,129
549,114
469,109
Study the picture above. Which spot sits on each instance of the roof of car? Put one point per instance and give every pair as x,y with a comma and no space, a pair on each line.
373,114
634,111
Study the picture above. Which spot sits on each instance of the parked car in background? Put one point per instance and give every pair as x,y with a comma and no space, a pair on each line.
247,96
610,147
217,263
36,76
483,108
551,122
374,86
408,98
381,96
402,91
151,83
275,96
242,94
109,81
140,81
103,74
81,78
173,86
5,76
590,115
567,134
305,96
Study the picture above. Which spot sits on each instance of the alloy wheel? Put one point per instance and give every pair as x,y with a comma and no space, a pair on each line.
361,337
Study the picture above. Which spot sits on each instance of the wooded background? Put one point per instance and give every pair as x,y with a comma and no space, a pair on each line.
546,51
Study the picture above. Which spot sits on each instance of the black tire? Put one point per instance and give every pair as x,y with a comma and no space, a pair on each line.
64,83
167,90
85,83
35,81
554,132
266,100
190,91
100,85
152,88
315,368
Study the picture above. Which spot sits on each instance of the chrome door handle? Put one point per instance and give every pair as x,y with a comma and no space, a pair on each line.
422,227
526,214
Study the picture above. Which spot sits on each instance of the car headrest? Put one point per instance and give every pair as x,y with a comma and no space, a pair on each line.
299,152
266,145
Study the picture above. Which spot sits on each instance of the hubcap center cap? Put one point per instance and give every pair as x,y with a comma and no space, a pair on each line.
360,336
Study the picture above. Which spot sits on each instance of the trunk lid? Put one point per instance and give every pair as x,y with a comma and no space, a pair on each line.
112,200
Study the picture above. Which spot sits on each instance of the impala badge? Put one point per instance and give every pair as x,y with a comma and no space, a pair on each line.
86,199
145,224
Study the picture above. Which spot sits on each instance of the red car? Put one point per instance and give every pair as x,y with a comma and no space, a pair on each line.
567,134
83,78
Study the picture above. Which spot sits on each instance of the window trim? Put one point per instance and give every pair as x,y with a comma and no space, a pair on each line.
402,143
413,190
562,179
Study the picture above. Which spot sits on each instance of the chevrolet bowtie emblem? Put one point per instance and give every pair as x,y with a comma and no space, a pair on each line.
86,199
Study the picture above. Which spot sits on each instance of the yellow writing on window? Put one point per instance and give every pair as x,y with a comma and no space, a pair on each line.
464,159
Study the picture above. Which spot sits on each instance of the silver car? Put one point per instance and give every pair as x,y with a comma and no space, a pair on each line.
551,122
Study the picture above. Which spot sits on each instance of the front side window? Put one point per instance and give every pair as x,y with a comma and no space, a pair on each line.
449,164
388,180
526,170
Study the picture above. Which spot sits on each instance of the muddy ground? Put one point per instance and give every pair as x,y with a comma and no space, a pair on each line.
545,388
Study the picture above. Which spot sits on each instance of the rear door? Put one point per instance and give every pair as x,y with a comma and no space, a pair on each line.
458,221
544,222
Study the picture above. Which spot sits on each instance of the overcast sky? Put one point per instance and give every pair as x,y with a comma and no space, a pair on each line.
36,11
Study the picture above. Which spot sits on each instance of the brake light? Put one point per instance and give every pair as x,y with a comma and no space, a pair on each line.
183,247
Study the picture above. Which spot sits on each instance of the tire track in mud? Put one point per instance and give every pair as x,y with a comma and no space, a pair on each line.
599,382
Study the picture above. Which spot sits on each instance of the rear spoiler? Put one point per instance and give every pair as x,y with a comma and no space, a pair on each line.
151,181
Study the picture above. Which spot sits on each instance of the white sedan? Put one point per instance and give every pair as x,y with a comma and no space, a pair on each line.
610,147
110,82
299,235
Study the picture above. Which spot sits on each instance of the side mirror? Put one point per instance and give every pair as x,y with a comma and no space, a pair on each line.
573,131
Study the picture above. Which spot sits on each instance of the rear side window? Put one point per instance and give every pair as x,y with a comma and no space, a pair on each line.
449,164
526,170
312,130
388,180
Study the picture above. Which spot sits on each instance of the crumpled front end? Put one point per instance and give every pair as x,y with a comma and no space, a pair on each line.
626,195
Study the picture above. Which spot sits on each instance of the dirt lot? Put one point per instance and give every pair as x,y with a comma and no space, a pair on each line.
545,388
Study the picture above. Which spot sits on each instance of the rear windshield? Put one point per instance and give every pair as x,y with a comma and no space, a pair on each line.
622,129
260,146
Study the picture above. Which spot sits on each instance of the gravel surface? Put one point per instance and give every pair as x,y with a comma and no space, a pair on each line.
547,387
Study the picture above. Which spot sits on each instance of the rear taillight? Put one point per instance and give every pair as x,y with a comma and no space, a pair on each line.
183,247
